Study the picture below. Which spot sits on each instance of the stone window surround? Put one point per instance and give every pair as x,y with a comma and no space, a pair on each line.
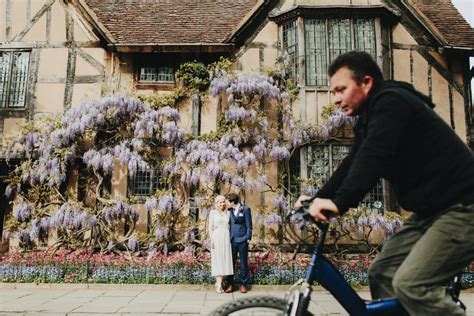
383,16
9,77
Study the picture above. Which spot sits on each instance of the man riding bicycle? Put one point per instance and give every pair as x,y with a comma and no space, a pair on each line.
399,137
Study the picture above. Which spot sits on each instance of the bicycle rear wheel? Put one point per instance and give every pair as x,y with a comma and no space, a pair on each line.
253,305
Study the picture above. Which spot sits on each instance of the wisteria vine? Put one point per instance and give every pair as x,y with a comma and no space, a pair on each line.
103,134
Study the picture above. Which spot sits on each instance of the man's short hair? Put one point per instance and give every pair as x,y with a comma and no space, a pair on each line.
232,197
360,63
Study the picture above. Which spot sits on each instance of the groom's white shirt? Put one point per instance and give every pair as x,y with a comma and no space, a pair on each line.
236,209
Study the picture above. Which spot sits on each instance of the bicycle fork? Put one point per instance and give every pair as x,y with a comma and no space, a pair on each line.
299,298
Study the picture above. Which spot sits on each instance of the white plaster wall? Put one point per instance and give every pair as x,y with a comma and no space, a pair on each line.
401,36
50,97
250,60
420,73
53,63
441,96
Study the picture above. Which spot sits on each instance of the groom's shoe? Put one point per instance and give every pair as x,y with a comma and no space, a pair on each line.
229,289
243,289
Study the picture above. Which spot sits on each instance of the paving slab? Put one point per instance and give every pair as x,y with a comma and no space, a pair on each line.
128,300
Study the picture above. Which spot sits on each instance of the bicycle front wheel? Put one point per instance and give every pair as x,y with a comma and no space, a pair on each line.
254,305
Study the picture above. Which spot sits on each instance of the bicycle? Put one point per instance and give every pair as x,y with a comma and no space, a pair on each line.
321,270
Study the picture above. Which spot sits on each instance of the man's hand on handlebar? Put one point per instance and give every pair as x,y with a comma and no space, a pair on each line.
318,207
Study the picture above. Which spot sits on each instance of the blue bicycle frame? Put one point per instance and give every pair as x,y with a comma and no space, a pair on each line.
324,272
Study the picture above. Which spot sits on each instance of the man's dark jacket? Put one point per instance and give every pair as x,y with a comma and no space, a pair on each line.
399,137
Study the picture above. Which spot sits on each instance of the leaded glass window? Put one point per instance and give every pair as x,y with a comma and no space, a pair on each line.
316,57
364,35
148,74
157,74
165,74
290,45
146,183
339,37
13,79
323,160
319,162
325,39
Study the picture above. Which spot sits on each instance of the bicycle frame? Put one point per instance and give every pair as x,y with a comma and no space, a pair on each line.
327,275
324,272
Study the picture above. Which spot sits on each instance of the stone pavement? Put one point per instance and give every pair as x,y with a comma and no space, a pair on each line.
105,299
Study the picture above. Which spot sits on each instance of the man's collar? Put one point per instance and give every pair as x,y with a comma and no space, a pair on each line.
364,107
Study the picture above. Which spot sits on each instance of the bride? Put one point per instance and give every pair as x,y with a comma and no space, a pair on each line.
221,252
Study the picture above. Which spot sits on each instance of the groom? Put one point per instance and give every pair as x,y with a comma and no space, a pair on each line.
240,235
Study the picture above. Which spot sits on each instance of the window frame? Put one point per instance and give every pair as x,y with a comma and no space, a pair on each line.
10,73
369,199
349,37
291,26
150,182
155,62
156,74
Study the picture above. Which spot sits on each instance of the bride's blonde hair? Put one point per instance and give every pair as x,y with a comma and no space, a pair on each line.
217,200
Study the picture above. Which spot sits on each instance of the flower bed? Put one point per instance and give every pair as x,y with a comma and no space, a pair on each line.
177,268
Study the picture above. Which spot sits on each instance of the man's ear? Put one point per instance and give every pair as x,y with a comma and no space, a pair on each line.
368,83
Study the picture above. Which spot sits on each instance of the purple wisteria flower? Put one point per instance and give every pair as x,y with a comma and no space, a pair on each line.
279,153
238,181
189,236
212,171
324,131
273,219
118,211
151,203
132,244
237,114
245,84
281,203
103,160
160,233
260,150
220,82
166,203
131,159
161,124
23,212
71,217
29,141
336,120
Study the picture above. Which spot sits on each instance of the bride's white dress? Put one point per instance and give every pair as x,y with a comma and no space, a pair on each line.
221,253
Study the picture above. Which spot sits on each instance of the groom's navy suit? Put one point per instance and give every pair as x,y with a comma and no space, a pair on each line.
240,235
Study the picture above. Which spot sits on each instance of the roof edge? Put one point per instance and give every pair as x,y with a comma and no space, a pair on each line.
425,22
92,18
172,47
245,19
323,10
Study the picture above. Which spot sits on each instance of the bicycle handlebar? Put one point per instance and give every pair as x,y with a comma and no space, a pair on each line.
303,211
